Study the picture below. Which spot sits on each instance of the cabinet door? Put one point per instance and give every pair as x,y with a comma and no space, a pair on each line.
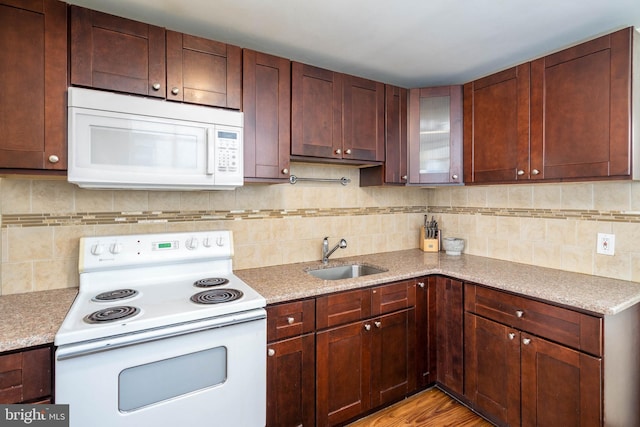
26,376
266,103
492,369
363,119
435,135
393,355
560,386
343,372
202,71
426,331
33,41
581,109
291,382
394,171
496,127
109,52
316,112
449,312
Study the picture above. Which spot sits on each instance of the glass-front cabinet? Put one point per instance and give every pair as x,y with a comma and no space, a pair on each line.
435,135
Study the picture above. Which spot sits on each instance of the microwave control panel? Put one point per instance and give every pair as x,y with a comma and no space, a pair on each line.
228,149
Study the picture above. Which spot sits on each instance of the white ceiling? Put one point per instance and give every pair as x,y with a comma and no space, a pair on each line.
410,43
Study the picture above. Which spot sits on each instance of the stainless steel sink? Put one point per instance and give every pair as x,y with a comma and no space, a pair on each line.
349,271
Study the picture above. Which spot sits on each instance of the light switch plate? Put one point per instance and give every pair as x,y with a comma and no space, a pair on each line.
606,244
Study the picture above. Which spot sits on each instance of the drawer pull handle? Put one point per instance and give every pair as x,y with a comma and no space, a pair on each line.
511,336
378,324
271,352
519,313
526,341
367,327
290,320
156,86
421,284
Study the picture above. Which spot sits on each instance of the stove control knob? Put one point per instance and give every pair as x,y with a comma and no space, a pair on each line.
115,248
97,249
206,242
220,241
192,243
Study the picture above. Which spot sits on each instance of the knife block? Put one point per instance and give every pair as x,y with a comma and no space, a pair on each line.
429,245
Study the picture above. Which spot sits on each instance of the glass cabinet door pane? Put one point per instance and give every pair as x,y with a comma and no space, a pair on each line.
435,149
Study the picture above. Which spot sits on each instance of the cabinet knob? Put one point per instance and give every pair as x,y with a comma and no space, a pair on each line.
421,284
519,313
526,341
378,324
405,177
367,327
511,335
338,151
285,171
535,172
520,172
347,151
156,86
175,91
271,352
290,320
54,159
454,176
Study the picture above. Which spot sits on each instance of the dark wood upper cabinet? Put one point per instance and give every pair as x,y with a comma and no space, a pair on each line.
496,127
114,53
266,103
581,110
33,41
566,116
202,71
363,119
316,111
394,170
336,116
435,135
119,54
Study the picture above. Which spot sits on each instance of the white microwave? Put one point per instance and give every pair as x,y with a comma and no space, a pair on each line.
130,142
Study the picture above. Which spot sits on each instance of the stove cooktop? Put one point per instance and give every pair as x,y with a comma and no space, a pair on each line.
157,288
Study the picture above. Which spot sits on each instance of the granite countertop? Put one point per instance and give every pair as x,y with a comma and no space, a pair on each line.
34,318
598,295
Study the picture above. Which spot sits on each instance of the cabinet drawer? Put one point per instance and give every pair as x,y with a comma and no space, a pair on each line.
565,326
392,297
25,376
290,319
343,307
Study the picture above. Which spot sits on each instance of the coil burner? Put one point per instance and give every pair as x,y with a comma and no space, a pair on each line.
216,296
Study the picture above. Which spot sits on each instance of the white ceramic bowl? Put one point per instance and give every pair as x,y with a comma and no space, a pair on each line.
453,245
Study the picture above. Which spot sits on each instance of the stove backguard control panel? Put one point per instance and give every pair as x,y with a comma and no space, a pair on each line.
108,252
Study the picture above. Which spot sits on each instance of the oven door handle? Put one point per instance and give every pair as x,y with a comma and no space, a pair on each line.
100,345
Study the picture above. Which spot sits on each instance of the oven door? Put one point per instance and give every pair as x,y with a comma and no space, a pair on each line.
214,375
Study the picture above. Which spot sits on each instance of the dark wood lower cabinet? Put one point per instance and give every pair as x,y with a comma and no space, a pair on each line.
25,377
450,343
291,382
426,331
560,386
363,365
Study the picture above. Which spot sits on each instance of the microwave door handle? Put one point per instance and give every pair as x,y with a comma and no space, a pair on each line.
211,153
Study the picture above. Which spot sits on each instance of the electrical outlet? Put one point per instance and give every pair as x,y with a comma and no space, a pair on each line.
606,244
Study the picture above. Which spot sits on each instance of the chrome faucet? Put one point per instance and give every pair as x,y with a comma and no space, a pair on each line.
326,253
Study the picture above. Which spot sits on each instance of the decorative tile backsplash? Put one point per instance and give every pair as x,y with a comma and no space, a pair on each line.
552,225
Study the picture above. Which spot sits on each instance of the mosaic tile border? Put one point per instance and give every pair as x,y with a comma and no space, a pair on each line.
574,214
143,217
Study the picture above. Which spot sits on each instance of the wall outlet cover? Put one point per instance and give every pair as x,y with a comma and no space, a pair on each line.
606,244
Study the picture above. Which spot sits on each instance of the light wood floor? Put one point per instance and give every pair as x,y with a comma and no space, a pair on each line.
428,408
